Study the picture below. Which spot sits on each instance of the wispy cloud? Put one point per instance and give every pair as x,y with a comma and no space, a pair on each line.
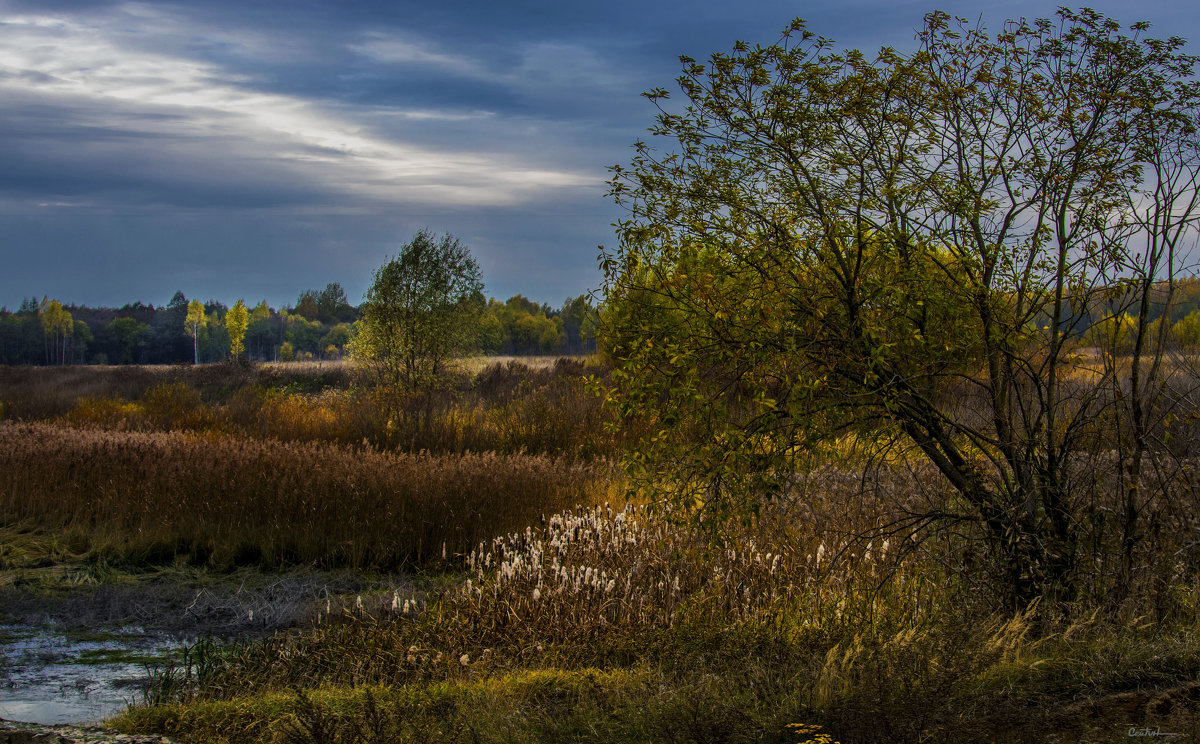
104,68
403,49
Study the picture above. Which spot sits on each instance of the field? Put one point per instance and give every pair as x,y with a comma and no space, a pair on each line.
543,603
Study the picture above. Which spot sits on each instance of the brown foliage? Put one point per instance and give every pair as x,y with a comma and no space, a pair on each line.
217,498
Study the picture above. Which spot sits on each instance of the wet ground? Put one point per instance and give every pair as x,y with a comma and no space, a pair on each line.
78,646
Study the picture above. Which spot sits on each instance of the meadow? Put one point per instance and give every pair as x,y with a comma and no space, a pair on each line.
549,604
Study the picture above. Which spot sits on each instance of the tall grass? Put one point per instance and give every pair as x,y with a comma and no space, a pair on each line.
153,496
598,586
842,604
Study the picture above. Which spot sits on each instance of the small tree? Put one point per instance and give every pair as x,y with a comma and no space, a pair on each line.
237,319
420,311
192,324
332,304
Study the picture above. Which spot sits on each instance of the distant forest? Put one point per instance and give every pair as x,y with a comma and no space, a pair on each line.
319,326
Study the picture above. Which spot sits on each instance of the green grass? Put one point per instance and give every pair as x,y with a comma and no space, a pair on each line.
694,684
584,705
96,656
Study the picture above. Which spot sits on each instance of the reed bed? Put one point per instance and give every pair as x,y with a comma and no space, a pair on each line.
41,393
157,496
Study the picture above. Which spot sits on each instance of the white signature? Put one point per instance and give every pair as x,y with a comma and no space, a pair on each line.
1147,731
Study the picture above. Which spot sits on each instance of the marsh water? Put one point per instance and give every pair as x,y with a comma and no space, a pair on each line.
53,676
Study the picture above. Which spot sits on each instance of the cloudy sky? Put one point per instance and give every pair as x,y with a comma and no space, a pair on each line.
229,148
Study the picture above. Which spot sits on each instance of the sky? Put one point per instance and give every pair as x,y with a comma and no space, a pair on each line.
231,149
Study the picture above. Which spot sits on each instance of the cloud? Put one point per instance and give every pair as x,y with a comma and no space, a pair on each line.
403,49
171,115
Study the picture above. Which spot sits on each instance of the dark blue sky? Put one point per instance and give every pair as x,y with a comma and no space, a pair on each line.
234,149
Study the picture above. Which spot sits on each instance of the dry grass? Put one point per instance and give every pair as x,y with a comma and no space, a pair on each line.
503,408
153,496
793,620
603,586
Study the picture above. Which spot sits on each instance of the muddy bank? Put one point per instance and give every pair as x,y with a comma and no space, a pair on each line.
12,732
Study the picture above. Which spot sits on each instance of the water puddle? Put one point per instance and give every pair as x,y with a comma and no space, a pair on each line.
50,677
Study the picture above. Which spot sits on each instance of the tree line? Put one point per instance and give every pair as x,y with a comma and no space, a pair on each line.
318,327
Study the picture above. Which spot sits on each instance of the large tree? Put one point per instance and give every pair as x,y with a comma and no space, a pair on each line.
819,244
420,311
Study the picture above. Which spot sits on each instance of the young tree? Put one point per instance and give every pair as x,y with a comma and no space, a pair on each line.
420,311
236,322
578,323
80,338
902,247
263,334
192,325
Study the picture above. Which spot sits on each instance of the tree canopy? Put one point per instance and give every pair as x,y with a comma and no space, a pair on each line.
820,244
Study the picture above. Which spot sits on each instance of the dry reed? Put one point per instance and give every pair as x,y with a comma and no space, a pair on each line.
155,496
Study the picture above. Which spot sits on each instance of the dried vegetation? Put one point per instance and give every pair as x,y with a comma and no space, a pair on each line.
568,614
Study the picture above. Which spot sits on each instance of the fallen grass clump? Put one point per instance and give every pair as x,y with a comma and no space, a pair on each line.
152,497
